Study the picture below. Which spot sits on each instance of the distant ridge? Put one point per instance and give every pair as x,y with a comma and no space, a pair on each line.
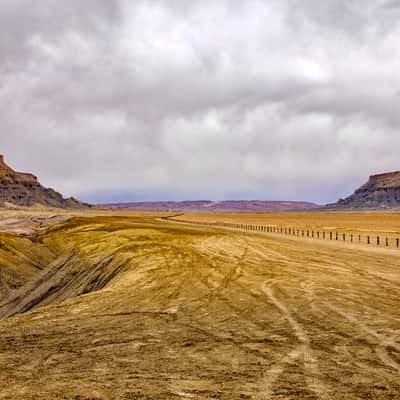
381,191
216,206
24,190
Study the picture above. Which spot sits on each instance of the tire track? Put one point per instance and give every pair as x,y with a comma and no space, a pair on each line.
273,374
312,373
382,342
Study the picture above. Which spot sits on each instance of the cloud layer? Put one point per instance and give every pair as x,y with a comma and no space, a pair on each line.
120,100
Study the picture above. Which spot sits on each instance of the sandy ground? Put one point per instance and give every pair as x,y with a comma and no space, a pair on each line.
139,308
364,223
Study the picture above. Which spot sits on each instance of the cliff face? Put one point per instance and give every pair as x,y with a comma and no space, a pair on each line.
23,189
381,191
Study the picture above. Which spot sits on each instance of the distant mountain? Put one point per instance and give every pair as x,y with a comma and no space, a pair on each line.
216,206
381,191
24,189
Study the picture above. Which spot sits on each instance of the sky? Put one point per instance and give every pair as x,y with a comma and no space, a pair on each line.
120,100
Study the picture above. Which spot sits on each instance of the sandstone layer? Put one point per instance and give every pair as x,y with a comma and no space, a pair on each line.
24,190
381,191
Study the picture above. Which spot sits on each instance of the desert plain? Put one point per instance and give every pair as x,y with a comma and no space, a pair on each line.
130,305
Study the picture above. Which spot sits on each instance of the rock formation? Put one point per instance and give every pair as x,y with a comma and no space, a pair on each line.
24,189
381,191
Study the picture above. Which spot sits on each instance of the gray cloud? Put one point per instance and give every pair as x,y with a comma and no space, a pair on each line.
108,99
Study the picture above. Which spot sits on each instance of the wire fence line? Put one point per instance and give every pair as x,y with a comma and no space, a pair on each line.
328,235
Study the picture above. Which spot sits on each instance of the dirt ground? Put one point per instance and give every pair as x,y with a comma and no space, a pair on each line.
136,307
374,223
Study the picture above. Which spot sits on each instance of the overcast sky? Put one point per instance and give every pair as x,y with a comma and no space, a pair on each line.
113,100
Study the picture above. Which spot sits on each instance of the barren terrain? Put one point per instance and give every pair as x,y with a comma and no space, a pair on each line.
135,307
374,223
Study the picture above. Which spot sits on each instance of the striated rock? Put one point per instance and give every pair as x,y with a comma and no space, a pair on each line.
381,191
23,189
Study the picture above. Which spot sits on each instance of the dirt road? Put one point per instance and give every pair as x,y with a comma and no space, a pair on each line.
158,310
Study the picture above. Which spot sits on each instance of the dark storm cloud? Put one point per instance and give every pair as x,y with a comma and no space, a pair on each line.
279,99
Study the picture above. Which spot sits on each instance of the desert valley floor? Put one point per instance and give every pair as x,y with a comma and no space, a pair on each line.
135,307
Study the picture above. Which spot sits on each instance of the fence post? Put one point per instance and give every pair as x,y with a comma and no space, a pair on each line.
323,235
387,242
330,235
344,237
377,240
337,236
368,240
351,238
397,242
359,238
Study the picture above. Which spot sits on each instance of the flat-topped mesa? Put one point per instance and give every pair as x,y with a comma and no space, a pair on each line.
23,189
387,180
9,173
381,191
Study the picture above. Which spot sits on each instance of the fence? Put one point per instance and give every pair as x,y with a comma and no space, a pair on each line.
328,235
